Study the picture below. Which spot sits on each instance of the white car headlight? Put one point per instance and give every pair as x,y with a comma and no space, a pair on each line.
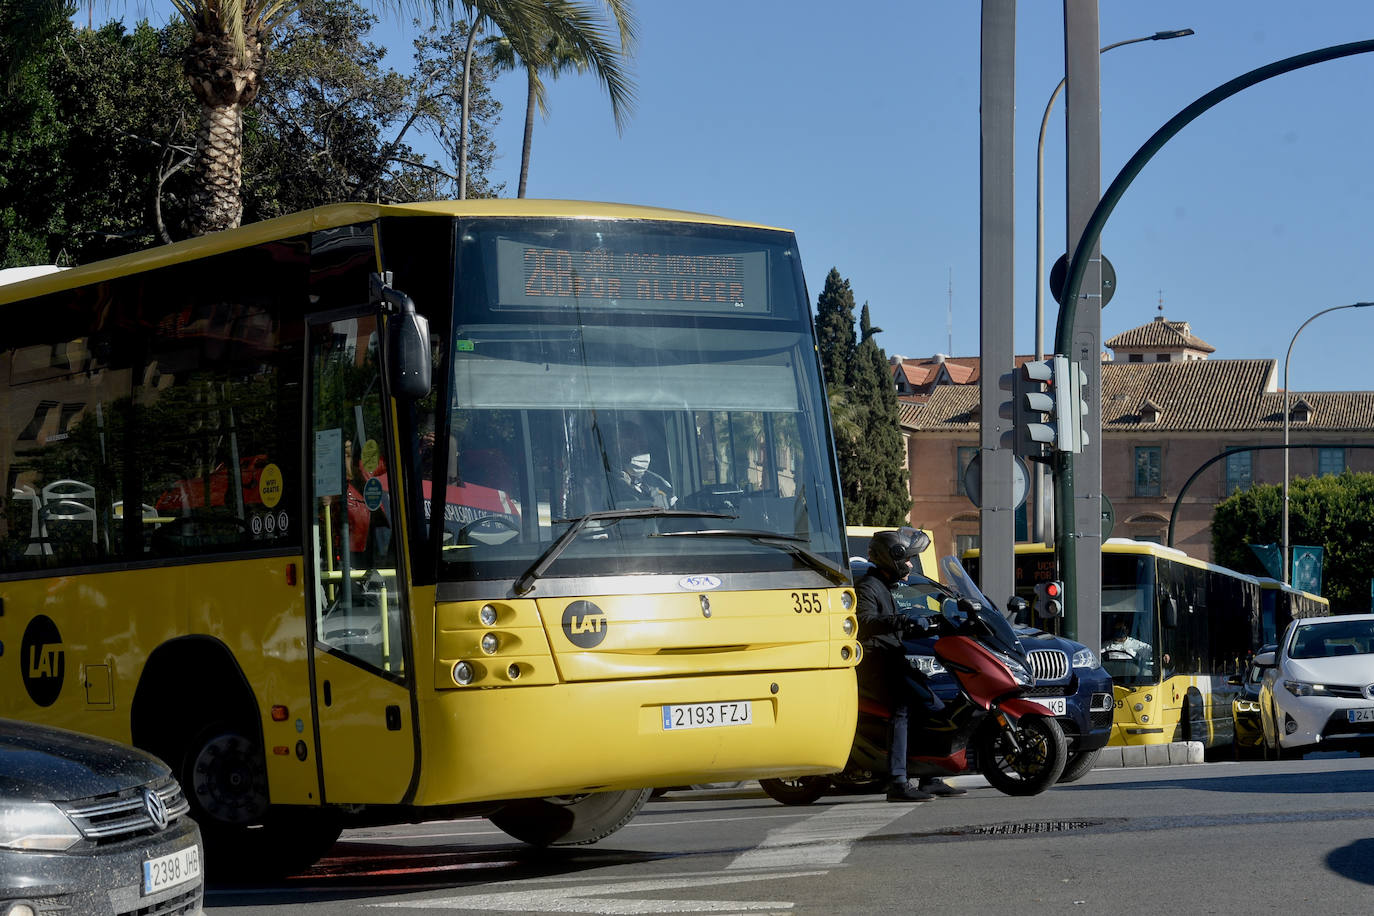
1084,658
1306,689
36,826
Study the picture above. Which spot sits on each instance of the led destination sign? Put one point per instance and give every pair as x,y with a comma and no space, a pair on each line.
533,276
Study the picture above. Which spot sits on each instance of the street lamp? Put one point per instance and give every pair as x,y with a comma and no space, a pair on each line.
1040,242
1287,573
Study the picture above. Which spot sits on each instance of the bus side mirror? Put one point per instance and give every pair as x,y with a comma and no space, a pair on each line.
1170,613
407,340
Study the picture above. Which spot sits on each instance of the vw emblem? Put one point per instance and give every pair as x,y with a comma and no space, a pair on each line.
156,808
1369,691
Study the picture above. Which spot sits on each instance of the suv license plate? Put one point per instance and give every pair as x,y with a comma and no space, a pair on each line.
708,715
1363,714
1058,705
171,870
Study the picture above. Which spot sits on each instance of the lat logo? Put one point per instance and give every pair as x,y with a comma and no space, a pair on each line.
584,624
43,660
698,583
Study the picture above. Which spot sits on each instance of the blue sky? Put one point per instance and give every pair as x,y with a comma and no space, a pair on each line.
858,129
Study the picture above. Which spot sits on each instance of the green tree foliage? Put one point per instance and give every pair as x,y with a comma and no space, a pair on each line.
97,131
333,125
864,411
83,139
1335,512
835,330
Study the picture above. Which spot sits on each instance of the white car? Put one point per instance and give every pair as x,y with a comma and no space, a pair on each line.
1319,694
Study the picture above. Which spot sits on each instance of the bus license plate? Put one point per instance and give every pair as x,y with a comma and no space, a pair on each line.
171,870
708,715
1058,705
1363,714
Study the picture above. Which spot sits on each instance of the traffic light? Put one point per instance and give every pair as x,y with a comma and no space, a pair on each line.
1049,599
1030,436
1069,385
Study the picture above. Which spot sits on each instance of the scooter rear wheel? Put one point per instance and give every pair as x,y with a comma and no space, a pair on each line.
1027,769
799,790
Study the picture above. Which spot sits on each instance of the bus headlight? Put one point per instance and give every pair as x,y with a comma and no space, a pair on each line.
490,643
487,615
847,600
462,673
848,626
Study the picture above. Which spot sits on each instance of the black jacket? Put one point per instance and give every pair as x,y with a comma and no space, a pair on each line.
880,623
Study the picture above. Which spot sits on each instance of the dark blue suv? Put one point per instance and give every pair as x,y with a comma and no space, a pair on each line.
1069,677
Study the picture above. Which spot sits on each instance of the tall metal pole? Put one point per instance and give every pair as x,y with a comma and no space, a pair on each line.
1287,572
1038,471
997,98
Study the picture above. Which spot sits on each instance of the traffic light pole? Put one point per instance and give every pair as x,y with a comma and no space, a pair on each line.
1065,534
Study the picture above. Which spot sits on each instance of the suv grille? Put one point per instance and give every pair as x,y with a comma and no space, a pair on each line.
115,817
1049,664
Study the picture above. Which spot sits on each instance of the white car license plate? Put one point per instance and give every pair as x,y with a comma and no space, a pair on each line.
1057,705
171,870
1363,714
708,715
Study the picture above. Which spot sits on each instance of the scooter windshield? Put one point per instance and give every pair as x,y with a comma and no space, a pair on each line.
999,633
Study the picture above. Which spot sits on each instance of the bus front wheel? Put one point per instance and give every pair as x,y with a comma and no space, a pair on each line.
570,820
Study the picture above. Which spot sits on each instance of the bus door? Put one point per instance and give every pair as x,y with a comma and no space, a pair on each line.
362,671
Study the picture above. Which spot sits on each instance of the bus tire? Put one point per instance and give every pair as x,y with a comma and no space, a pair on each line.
1080,763
1032,767
569,820
799,790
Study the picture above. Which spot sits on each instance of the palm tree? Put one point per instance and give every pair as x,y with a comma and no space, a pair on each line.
225,60
552,55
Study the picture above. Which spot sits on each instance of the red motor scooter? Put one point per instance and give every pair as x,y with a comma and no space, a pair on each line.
1016,743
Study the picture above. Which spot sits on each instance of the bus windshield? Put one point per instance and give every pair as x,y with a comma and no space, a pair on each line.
605,366
1129,637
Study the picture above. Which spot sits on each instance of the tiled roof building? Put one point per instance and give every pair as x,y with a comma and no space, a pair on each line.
1163,416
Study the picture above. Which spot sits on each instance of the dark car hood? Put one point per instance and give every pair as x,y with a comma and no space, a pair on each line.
50,764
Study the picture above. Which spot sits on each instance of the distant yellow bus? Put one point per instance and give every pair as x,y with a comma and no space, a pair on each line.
383,513
1184,626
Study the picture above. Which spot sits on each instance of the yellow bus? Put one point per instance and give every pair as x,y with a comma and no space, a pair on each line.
1174,630
375,514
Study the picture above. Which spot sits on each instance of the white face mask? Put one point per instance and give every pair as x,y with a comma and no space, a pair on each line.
638,464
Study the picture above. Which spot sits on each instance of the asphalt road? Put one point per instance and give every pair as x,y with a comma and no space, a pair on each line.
1292,837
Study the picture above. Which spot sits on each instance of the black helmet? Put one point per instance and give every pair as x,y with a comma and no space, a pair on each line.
889,550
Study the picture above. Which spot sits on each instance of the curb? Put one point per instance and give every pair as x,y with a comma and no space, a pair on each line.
1151,755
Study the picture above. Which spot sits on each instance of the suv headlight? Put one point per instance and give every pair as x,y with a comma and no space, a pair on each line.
1018,670
1305,689
1084,658
36,826
926,664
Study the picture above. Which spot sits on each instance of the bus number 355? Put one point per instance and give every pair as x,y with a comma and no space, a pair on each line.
806,602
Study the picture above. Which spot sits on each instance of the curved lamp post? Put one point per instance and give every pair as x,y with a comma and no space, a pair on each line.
1037,496
1287,573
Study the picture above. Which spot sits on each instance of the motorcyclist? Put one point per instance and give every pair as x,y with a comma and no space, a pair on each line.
885,666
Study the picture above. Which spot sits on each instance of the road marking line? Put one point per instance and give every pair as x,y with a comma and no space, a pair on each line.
594,899
822,839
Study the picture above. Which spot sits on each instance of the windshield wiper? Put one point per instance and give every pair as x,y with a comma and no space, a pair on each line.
526,580
788,542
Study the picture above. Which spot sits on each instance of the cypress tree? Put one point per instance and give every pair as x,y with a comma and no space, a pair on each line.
863,402
835,331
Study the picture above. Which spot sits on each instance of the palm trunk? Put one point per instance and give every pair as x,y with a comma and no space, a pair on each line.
216,202
529,133
463,122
